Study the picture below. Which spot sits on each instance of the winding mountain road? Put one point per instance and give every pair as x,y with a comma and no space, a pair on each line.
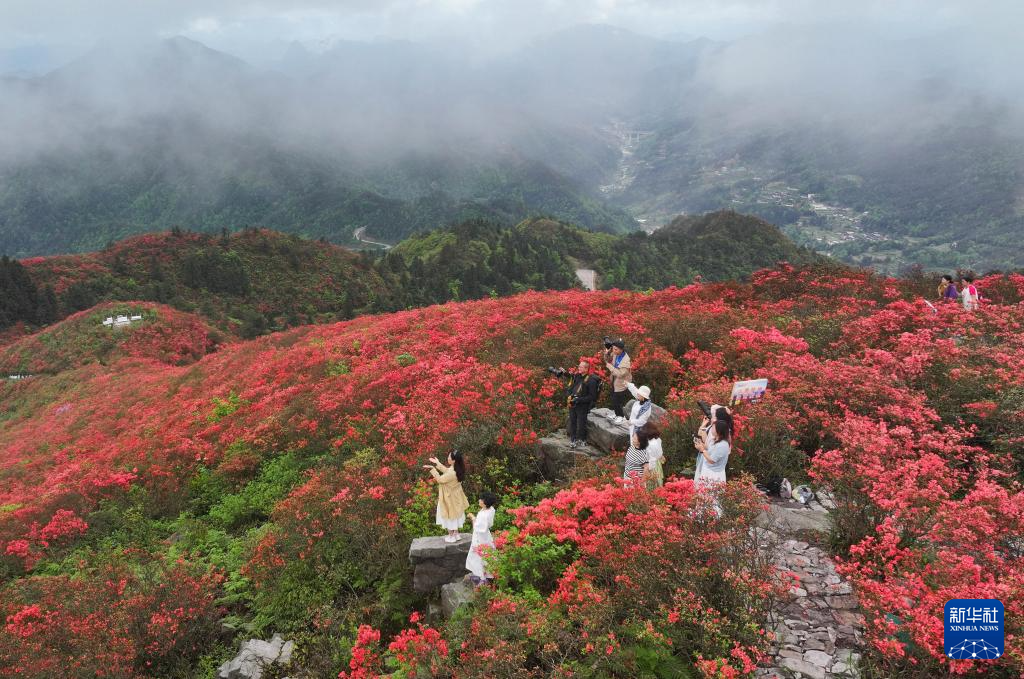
358,235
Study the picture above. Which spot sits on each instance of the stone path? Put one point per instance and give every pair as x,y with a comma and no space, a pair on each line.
818,627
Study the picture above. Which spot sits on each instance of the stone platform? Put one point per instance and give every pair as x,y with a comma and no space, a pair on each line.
436,562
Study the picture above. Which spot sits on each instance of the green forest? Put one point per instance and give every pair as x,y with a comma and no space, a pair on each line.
255,281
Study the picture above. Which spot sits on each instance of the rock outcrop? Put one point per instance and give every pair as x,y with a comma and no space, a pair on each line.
557,460
604,434
454,596
255,656
436,562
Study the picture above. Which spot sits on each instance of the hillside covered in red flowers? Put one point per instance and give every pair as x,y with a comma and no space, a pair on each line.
152,507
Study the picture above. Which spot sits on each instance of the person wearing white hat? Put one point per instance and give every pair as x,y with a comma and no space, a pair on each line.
641,411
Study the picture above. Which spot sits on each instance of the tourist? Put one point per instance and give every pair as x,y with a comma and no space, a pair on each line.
581,395
705,433
636,459
970,294
482,524
655,456
711,475
451,500
947,289
641,410
618,363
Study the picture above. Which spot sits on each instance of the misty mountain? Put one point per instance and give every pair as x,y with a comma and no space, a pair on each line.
873,149
128,139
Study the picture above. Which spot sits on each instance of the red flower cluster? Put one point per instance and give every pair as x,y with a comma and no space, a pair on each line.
914,419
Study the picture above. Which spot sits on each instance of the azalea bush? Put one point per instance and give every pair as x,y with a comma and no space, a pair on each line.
606,580
285,473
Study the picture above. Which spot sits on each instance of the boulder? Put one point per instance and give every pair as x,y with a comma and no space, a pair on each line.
604,434
436,562
556,459
790,520
255,656
455,595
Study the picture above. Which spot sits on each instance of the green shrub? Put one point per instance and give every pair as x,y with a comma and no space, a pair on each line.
533,567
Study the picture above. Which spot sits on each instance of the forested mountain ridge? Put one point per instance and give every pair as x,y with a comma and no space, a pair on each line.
253,281
247,282
478,258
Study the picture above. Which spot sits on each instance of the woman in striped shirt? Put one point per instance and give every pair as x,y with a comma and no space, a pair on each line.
636,459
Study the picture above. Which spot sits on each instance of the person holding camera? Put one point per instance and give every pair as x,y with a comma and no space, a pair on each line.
711,476
619,367
581,395
705,434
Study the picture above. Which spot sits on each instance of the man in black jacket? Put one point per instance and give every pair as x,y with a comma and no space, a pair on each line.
581,396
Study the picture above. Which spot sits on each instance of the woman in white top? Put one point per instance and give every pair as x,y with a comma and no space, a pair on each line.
970,294
482,524
641,411
655,456
706,434
716,455
711,476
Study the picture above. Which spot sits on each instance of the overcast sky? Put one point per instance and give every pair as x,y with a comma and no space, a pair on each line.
247,27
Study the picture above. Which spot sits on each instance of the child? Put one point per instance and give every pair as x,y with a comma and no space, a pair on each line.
482,524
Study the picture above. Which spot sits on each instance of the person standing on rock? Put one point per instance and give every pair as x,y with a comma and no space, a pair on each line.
582,395
619,366
451,499
655,456
482,524
641,410
635,470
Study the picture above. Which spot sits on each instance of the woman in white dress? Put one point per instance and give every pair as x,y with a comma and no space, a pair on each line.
655,456
482,524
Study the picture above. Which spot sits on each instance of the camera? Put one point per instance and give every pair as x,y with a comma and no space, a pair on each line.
557,372
705,408
607,342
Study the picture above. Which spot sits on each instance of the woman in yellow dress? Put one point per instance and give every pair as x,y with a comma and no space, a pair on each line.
451,500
